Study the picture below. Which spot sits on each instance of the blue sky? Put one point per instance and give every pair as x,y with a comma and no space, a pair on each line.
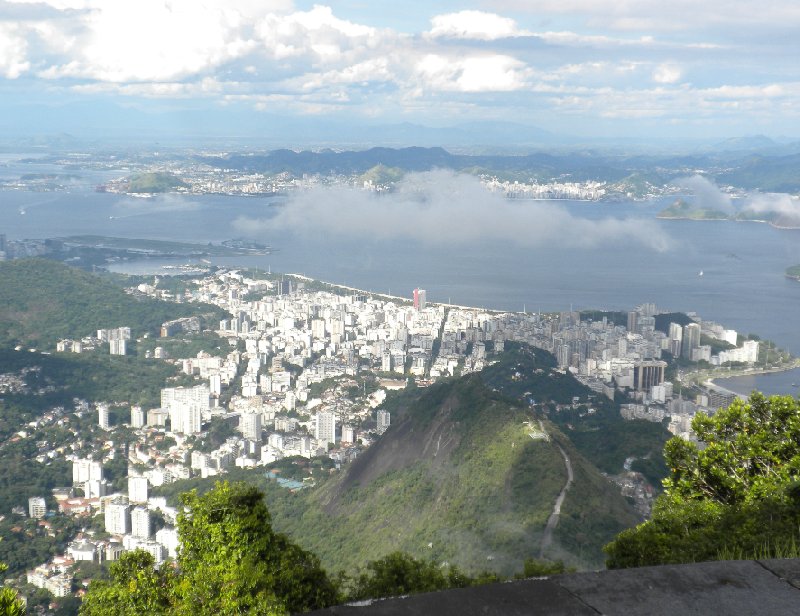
593,68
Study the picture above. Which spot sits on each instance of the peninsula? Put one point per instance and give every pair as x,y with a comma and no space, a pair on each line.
683,210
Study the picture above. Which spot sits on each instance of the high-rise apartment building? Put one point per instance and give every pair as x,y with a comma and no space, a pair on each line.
117,517
117,347
140,522
37,508
647,374
633,321
137,489
326,428
84,470
137,417
691,339
103,418
384,419
419,299
250,426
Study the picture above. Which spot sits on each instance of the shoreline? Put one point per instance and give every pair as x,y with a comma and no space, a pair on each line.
397,297
736,374
764,222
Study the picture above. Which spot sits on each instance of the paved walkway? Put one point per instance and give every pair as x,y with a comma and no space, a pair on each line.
552,521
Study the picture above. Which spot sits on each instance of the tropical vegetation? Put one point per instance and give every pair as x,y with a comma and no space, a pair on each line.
735,492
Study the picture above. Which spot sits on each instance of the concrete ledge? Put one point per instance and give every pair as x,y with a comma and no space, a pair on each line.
733,588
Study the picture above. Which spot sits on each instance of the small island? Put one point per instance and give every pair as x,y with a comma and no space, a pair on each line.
683,210
793,272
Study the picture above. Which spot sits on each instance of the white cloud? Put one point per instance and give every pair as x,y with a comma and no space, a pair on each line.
667,73
317,34
657,15
682,102
489,73
783,204
376,69
149,40
207,87
478,62
706,194
441,207
13,51
474,25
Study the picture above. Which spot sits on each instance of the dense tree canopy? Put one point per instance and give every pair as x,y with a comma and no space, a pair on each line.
230,562
10,605
135,587
736,494
231,556
400,574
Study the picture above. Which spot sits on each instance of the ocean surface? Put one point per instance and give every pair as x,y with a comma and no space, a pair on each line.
742,284
775,383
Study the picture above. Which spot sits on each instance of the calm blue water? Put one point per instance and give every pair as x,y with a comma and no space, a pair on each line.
778,383
743,284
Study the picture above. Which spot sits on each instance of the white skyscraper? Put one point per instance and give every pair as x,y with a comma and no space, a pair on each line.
86,470
326,428
95,489
117,517
137,489
185,406
168,537
250,426
191,419
140,522
318,328
103,416
215,384
137,417
384,419
117,347
37,508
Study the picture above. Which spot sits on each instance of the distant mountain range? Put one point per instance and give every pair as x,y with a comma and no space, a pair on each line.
736,167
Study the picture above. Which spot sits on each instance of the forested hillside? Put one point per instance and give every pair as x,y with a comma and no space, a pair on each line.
42,301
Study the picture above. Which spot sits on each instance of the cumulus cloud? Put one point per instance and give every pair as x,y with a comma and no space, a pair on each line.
316,34
706,193
780,203
667,73
486,73
781,209
441,207
153,40
13,51
656,15
273,56
475,25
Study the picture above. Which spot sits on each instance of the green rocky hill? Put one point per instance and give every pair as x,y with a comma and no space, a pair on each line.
683,210
463,476
42,301
154,182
